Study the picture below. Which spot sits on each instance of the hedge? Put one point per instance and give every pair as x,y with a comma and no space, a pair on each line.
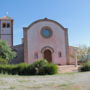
85,67
40,67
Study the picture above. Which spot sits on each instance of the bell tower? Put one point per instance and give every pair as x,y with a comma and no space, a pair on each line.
6,30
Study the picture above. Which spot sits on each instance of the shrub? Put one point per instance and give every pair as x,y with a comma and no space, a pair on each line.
9,69
23,69
37,68
51,69
40,67
85,67
12,69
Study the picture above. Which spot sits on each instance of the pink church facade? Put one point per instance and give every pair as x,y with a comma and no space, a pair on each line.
47,39
43,39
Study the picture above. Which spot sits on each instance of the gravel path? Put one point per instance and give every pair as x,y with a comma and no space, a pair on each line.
69,81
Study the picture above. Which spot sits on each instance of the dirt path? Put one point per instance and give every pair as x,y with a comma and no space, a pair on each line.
68,68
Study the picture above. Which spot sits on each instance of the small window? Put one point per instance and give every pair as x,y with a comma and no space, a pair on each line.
8,25
4,25
60,54
36,55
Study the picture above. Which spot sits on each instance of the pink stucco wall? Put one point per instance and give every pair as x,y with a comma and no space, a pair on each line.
72,55
35,42
6,33
7,38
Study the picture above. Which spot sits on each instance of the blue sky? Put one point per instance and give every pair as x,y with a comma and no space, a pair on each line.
72,14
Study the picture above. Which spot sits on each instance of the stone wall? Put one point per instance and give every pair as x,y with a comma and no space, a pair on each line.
20,54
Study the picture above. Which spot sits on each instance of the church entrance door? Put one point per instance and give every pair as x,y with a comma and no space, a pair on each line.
48,55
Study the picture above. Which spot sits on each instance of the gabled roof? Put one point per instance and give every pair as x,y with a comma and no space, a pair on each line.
45,19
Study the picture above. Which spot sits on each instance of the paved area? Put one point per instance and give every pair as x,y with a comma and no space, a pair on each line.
68,68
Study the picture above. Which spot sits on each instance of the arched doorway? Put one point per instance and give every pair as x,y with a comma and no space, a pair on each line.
48,55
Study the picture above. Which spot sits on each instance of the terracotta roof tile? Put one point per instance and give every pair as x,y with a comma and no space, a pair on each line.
6,17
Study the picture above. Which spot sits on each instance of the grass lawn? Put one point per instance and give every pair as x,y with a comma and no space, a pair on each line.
67,81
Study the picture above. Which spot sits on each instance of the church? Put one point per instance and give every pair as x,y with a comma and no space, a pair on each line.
42,39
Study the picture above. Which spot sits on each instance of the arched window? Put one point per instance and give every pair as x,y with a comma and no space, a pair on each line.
8,25
4,25
60,54
36,55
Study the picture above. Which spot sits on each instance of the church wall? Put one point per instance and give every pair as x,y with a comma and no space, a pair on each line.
72,55
36,42
7,38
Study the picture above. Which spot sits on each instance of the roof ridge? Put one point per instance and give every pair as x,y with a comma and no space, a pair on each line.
6,17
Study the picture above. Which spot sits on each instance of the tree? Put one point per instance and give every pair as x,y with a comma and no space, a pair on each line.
5,51
82,52
88,49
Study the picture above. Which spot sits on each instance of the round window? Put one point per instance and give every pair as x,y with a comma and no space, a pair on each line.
46,32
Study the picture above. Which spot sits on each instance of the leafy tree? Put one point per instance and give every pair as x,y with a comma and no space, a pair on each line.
88,49
3,61
5,51
82,52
